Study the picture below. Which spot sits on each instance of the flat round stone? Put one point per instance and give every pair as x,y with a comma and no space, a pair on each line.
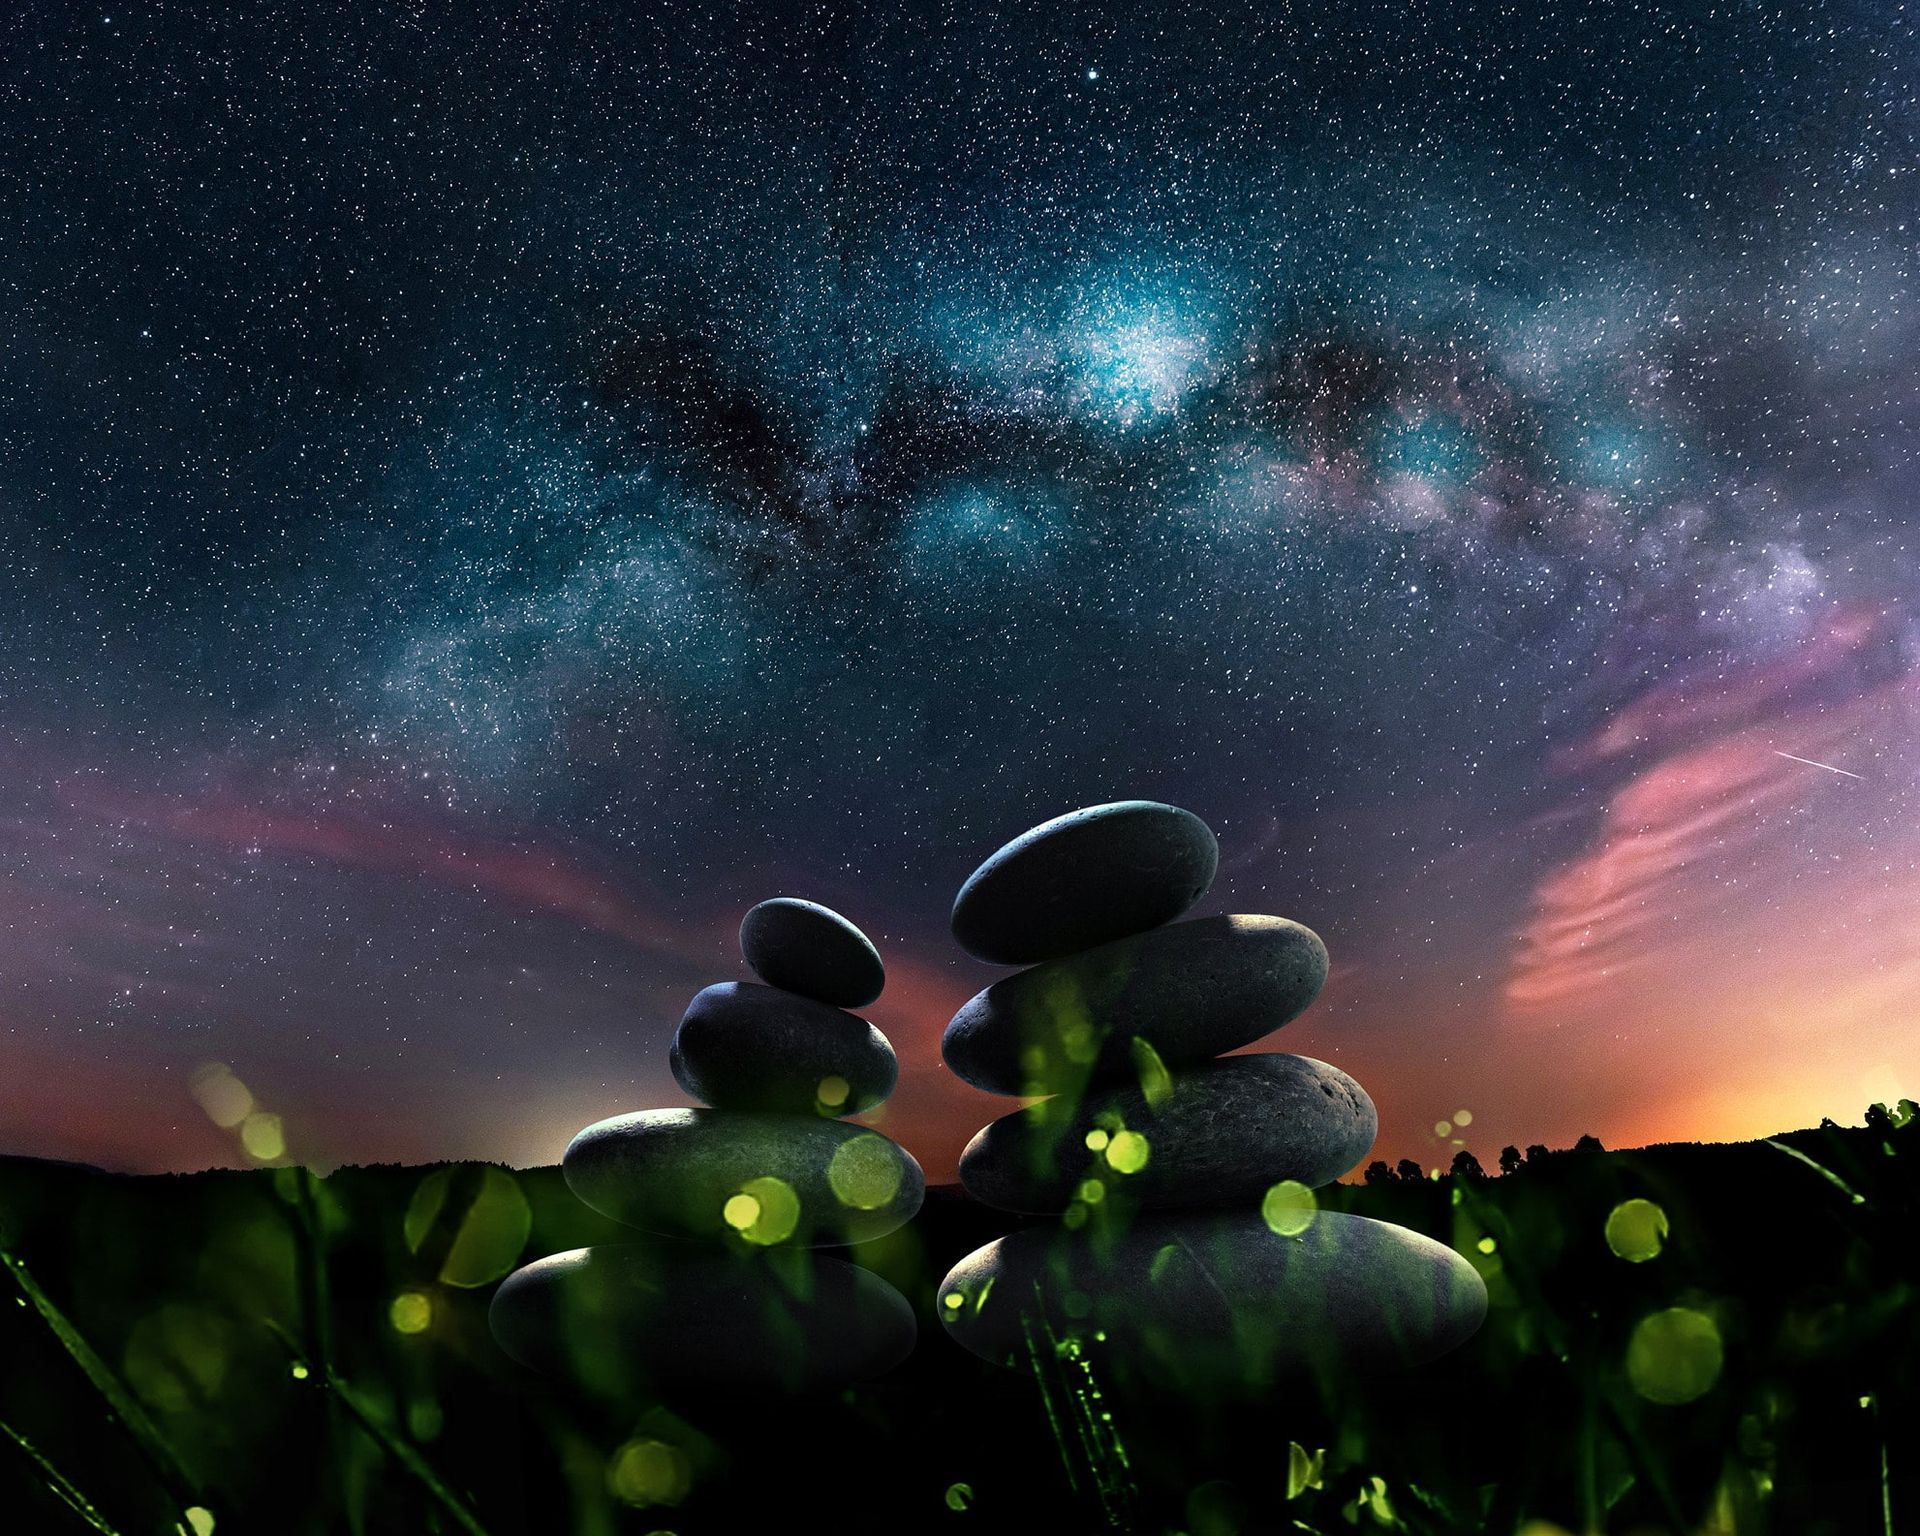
813,950
1210,1298
1191,990
754,1180
620,1316
1218,1134
1084,878
743,1046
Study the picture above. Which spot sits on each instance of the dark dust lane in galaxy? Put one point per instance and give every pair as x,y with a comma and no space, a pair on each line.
492,493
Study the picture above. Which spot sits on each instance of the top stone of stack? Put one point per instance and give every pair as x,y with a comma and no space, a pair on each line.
1084,879
801,946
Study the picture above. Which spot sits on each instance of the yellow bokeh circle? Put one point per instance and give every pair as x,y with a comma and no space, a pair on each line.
1289,1208
865,1172
1637,1230
764,1211
1674,1356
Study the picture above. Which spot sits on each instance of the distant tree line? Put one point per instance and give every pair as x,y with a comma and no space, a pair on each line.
1466,1166
1881,1118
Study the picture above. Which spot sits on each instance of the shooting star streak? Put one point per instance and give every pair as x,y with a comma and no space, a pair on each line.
1844,772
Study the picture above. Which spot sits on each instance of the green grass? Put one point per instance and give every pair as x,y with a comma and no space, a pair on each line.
277,1352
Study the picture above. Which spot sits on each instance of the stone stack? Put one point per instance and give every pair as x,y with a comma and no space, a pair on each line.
742,1192
1188,1236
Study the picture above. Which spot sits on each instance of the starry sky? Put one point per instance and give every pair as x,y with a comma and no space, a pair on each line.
492,491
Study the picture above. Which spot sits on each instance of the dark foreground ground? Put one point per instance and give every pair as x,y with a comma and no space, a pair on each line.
271,1352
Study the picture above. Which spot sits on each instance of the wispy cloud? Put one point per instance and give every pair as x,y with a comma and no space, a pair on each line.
1855,649
529,878
1674,848
1600,916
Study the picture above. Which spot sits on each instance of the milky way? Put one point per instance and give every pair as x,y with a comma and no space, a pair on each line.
490,496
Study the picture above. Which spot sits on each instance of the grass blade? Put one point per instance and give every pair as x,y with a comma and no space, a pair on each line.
1820,1168
1886,1489
58,1483
409,1458
416,1464
1037,1362
120,1403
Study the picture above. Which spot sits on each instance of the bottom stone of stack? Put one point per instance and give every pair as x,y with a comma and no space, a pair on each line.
1207,1298
619,1317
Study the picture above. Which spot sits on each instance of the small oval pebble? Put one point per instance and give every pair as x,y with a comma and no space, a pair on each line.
810,949
1218,1134
1191,990
1208,1298
742,1046
760,1180
618,1317
1084,879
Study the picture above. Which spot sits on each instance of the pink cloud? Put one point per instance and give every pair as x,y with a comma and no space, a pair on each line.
529,878
931,1112
1855,649
1591,919
1675,837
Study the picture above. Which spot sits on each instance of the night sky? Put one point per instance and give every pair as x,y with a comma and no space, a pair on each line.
490,493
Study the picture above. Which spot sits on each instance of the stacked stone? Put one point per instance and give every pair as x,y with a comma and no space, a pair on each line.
1188,1236
744,1190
